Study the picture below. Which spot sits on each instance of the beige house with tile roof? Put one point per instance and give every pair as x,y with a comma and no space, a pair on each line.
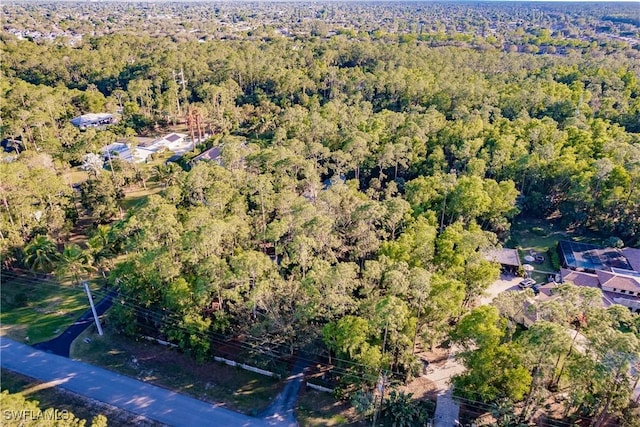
619,286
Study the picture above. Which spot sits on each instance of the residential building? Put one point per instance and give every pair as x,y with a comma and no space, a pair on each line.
96,120
174,142
616,272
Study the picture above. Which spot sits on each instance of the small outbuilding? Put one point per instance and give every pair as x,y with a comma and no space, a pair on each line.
213,154
509,259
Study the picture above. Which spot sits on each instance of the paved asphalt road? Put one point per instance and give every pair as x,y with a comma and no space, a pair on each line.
62,343
281,412
123,392
446,410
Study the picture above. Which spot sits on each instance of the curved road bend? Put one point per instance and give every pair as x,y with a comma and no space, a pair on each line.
123,392
61,344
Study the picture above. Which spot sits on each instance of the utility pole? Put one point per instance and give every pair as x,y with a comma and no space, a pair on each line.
381,384
381,381
415,335
191,122
93,307
198,124
184,82
177,95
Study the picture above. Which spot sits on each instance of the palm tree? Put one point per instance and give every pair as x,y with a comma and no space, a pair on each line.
169,174
101,247
41,254
75,262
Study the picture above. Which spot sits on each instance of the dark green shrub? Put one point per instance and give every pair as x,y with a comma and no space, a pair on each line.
21,299
402,410
538,231
554,258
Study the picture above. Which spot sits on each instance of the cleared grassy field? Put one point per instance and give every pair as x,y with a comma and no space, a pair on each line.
214,382
36,310
139,196
76,176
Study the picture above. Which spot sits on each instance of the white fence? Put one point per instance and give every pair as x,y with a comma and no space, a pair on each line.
161,342
243,366
319,387
246,367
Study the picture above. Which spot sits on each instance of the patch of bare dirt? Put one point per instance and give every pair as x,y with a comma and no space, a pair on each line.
421,388
437,357
151,356
79,233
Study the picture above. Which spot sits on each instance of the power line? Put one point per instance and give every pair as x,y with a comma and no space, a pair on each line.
173,320
176,318
488,407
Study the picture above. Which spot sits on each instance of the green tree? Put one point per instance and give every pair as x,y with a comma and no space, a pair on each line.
482,328
415,246
102,197
74,261
41,254
443,304
405,411
15,403
103,246
351,336
477,277
542,343
191,334
495,369
615,352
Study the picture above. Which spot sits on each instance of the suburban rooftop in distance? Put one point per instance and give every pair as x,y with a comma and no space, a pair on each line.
93,120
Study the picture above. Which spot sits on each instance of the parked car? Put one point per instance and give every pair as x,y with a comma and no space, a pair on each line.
526,283
535,289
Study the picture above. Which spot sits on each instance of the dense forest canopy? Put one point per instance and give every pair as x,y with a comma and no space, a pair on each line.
370,153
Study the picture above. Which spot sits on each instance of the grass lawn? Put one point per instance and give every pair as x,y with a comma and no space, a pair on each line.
139,196
50,396
536,235
320,409
540,236
214,382
35,311
76,176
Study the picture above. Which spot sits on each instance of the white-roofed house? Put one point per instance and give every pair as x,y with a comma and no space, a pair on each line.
93,120
141,154
175,142
124,152
118,150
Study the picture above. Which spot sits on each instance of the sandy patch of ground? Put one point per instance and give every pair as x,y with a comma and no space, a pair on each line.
505,283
